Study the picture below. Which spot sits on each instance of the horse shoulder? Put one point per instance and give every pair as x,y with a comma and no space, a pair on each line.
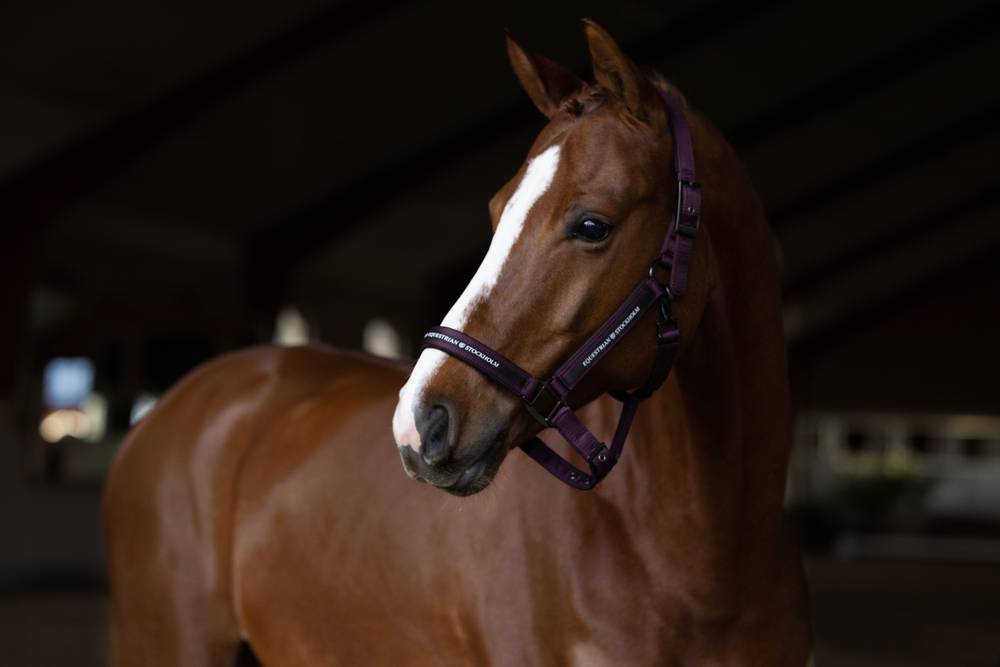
170,497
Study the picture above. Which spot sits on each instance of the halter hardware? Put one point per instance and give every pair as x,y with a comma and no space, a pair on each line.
531,402
675,255
660,262
687,212
665,323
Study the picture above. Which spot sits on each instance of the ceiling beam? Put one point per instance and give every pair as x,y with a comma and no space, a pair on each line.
869,175
46,187
805,349
895,236
870,76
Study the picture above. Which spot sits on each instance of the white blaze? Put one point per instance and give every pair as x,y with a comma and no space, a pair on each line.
537,178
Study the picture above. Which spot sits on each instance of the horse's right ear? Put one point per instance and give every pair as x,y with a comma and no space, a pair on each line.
546,82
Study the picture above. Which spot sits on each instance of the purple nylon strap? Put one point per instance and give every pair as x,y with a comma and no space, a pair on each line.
678,247
548,400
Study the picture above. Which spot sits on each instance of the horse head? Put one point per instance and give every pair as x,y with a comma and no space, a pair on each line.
576,228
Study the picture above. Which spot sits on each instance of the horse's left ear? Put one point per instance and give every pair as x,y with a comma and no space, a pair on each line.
616,72
546,82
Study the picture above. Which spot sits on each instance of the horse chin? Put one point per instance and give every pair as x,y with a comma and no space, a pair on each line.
479,475
459,478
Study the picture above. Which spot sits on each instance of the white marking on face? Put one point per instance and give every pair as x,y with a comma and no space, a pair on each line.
537,178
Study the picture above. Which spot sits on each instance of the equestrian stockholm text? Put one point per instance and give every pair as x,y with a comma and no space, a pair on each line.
463,346
611,336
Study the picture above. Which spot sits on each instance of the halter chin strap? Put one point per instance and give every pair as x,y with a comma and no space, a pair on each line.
548,400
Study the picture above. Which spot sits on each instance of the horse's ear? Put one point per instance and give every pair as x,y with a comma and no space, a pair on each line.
616,72
546,82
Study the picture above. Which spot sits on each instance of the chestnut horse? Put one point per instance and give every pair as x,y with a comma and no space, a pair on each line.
259,513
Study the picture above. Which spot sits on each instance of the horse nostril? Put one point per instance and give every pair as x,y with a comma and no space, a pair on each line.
434,436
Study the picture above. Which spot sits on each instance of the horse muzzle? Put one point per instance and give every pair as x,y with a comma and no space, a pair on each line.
437,462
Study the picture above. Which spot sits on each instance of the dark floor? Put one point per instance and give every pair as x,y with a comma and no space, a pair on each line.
866,613
894,613
50,629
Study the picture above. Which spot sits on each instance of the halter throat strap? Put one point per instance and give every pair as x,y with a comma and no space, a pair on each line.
547,400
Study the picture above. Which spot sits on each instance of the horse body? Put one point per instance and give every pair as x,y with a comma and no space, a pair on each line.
261,502
332,562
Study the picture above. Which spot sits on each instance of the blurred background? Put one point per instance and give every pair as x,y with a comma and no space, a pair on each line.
179,179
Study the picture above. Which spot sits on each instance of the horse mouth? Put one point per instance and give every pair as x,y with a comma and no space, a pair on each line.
472,480
465,481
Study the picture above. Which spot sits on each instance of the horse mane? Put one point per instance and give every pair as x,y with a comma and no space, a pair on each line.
664,86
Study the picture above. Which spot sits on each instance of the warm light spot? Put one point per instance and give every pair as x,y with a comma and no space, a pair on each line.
61,423
95,408
381,339
86,424
291,328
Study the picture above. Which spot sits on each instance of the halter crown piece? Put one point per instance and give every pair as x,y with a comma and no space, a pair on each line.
546,400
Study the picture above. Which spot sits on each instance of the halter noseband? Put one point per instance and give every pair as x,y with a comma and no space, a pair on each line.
546,400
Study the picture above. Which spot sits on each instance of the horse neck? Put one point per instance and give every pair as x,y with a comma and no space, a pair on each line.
703,476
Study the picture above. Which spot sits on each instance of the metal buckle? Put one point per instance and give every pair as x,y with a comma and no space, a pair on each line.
546,420
683,228
666,318
601,462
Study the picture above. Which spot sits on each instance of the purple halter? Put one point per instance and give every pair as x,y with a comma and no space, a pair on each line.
547,400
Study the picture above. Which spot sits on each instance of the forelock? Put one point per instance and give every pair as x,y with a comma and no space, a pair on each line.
592,97
588,99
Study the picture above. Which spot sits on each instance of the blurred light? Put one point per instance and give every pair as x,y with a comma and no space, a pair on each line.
96,411
291,328
86,424
381,339
60,423
67,381
140,406
958,427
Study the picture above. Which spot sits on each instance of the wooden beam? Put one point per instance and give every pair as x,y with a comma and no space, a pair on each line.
36,193
868,175
917,228
805,349
845,88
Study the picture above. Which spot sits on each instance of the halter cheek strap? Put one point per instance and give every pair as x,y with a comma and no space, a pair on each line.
547,400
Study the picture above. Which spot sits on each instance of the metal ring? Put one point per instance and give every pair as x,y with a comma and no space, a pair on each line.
652,272
667,304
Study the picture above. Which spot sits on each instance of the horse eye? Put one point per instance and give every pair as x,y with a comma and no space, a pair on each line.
590,230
